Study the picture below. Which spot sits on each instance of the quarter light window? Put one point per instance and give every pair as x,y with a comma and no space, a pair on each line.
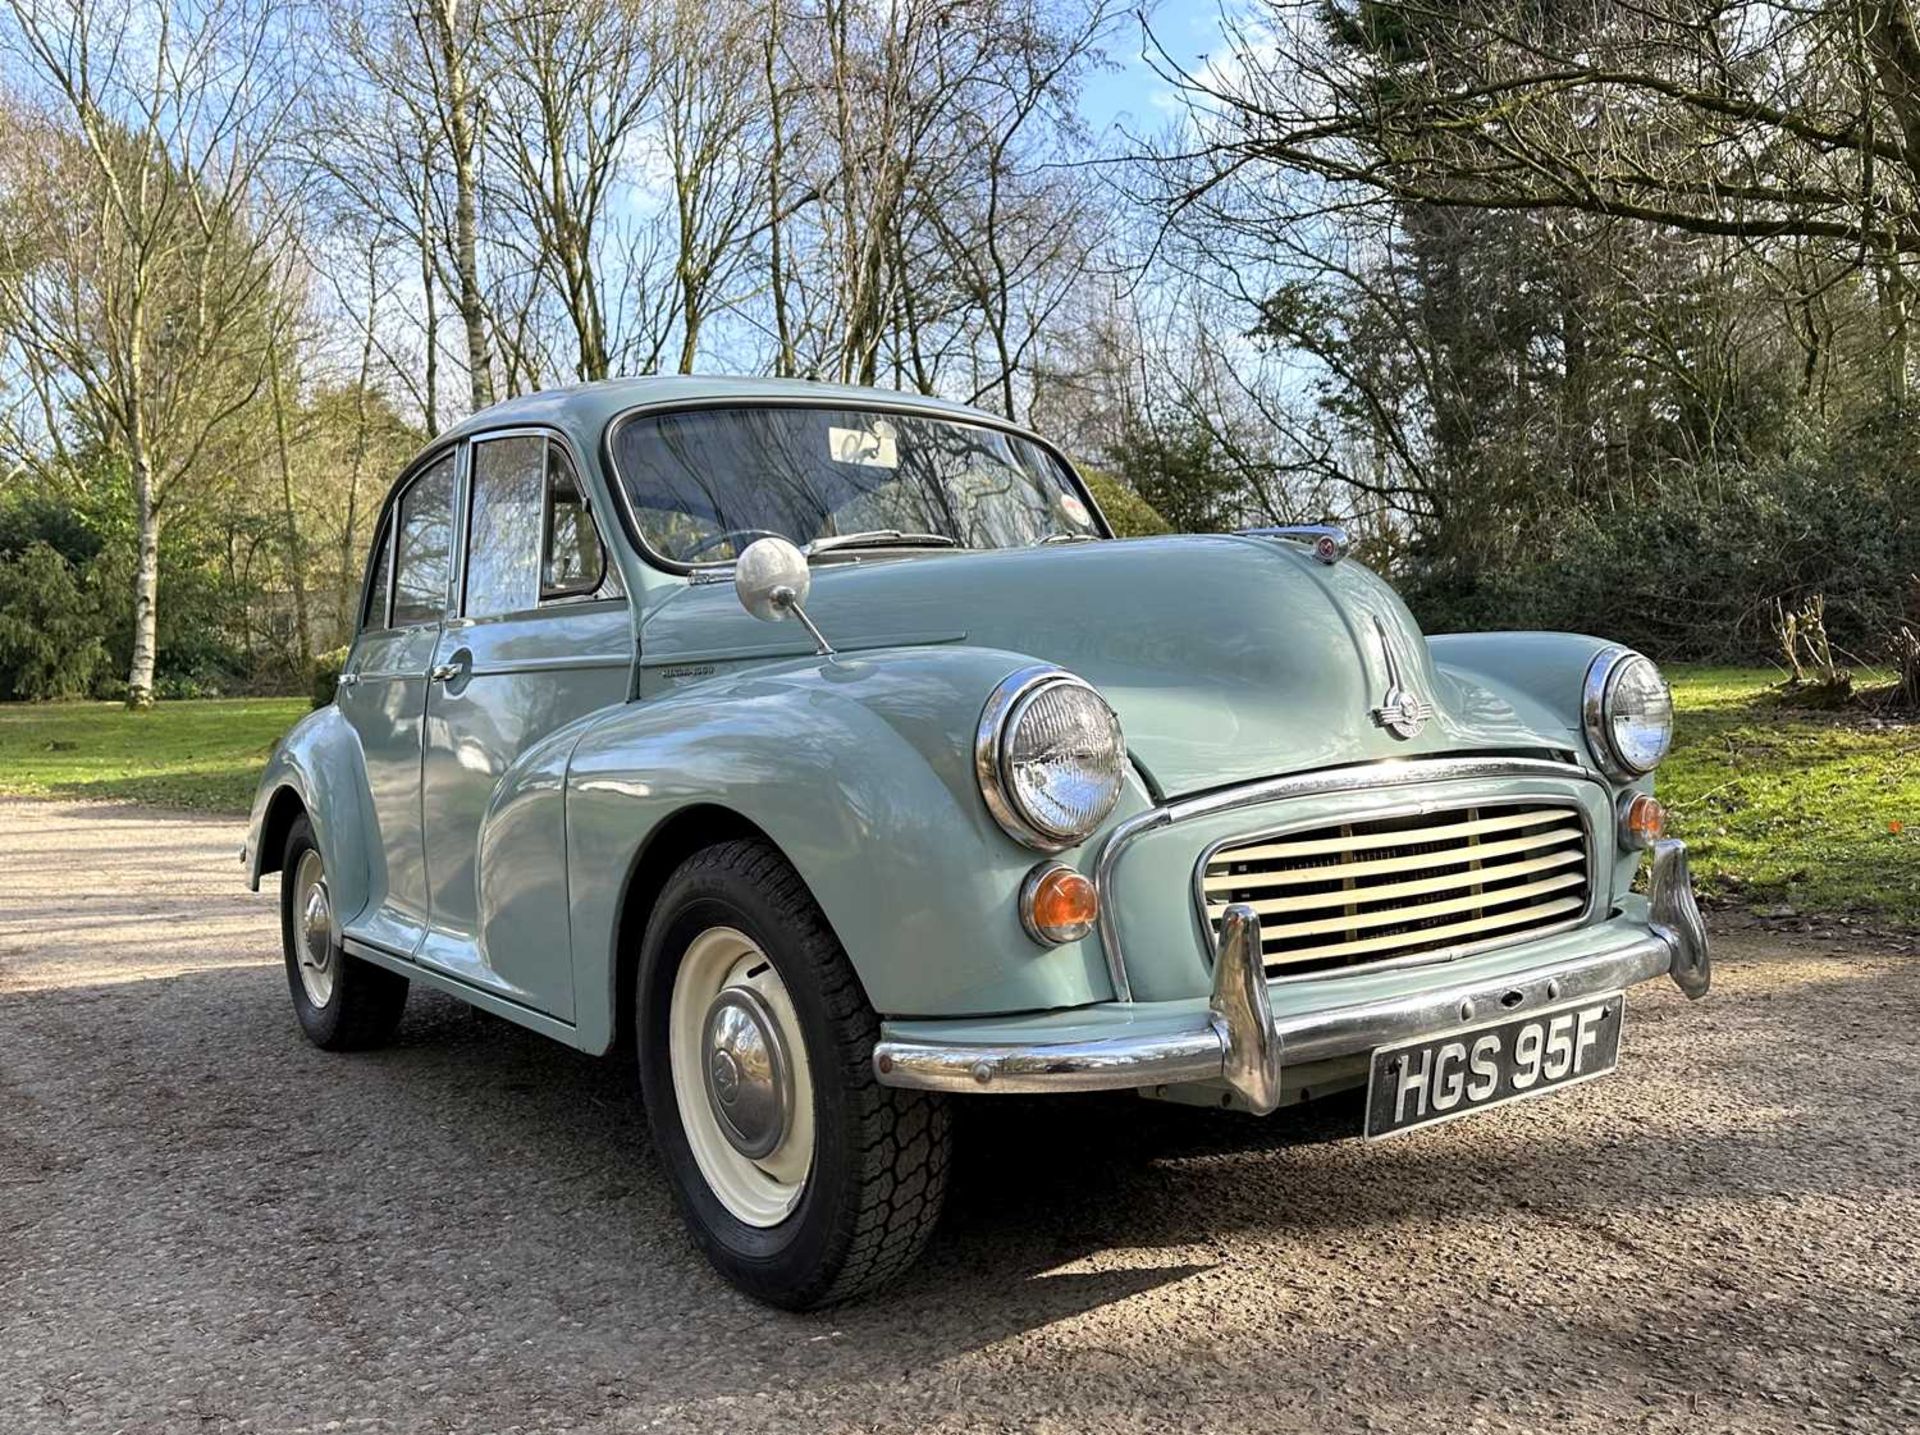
576,563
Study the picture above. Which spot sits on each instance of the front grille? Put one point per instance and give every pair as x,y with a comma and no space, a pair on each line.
1365,892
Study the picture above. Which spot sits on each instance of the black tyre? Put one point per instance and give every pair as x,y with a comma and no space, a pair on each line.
344,1003
803,1179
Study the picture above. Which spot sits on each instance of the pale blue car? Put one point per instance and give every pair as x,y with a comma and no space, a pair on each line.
823,748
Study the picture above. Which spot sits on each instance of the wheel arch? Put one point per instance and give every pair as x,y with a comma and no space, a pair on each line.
316,770
859,773
671,843
284,808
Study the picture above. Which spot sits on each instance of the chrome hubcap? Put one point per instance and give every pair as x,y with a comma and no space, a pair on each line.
746,1068
313,929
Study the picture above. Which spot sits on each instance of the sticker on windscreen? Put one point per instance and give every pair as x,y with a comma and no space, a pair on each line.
875,447
1075,511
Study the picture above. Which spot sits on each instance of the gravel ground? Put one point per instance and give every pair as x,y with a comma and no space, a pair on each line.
206,1225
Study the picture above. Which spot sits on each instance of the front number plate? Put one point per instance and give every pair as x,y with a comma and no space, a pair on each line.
1440,1077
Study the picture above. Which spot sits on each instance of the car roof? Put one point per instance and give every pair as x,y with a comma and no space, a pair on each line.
586,408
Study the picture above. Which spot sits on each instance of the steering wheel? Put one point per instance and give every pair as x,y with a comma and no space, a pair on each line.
714,540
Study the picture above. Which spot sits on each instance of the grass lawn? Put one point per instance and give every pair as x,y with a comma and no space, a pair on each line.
202,754
1776,805
1779,805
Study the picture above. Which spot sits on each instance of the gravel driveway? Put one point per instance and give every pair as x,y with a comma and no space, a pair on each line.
206,1225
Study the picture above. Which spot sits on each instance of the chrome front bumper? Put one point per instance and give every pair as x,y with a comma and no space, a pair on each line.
1239,1041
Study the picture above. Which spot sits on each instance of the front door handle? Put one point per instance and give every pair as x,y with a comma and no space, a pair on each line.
457,667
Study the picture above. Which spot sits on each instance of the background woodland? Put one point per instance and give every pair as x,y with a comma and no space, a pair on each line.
1586,315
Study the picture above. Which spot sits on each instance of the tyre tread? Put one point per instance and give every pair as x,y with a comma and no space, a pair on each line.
905,1137
368,1000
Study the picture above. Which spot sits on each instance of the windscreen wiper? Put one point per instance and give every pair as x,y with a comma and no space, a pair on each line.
877,538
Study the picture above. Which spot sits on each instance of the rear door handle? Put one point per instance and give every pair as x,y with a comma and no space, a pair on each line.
446,672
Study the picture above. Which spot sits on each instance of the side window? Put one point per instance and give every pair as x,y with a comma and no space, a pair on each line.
423,554
575,563
503,525
373,611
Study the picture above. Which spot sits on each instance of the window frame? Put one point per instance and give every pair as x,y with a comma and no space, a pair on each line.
876,401
455,517
382,536
388,522
544,596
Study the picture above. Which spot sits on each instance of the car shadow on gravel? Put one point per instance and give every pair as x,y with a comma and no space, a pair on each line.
469,1127
474,1145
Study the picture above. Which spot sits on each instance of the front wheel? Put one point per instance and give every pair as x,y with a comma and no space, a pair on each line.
803,1179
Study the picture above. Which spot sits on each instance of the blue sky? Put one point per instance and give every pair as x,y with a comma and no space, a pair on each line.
1133,96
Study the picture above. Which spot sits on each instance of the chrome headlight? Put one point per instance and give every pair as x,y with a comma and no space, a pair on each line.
1628,711
1049,758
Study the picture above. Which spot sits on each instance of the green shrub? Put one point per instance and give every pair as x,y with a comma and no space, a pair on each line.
52,637
326,675
1693,572
1130,514
196,654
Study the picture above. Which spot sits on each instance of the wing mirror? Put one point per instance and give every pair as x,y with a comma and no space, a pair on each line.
772,580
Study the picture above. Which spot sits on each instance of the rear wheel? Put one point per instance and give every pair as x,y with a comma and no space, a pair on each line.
804,1180
343,1002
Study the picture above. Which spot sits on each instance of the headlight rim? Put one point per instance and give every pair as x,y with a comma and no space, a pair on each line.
1603,674
989,753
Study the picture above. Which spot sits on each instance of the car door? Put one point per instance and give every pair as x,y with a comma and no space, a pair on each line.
542,636
383,695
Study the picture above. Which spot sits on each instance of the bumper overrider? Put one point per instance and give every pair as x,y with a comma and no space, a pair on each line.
1239,1041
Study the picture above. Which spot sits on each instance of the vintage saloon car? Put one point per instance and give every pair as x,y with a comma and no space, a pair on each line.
823,748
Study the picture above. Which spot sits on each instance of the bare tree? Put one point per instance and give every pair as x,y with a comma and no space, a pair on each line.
1023,228
137,267
571,87
374,138
450,34
1748,119
714,122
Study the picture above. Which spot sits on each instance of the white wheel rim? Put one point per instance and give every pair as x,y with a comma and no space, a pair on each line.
725,989
313,951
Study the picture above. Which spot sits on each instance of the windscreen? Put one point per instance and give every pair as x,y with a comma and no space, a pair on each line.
705,483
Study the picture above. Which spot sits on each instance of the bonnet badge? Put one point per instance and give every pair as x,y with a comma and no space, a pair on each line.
1402,712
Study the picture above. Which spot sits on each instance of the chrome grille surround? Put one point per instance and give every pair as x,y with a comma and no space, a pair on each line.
1355,777
1414,885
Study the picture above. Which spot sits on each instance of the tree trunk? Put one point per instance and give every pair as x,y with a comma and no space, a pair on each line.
430,313
146,509
462,133
349,589
296,547
1894,48
146,585
472,306
690,336
583,297
783,365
